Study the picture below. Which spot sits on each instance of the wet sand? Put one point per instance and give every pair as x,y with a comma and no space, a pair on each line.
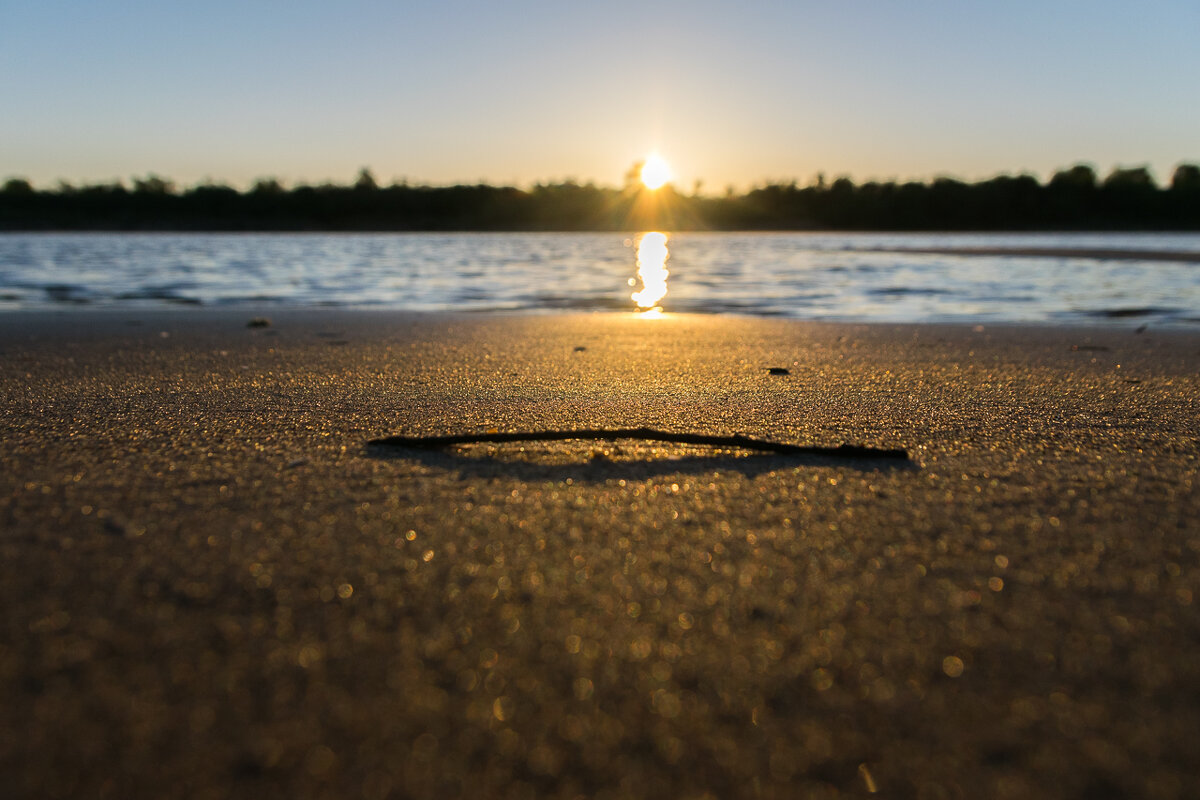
213,587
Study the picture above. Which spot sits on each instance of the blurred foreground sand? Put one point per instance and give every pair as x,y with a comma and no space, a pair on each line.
213,588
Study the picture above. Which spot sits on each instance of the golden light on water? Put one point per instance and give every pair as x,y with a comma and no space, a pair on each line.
655,172
652,258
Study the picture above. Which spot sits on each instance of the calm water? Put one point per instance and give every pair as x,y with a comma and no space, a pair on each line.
811,276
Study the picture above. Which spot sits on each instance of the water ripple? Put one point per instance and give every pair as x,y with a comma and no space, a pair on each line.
870,277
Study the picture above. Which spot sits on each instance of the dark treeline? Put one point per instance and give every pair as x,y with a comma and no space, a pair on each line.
1073,199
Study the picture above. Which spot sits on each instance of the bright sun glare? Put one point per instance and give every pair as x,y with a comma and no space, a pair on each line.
655,172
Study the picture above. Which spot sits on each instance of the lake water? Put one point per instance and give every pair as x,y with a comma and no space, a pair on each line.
800,275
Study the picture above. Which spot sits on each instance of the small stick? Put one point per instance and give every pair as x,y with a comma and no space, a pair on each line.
642,434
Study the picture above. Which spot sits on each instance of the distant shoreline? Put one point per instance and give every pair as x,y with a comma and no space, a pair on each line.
1073,199
1103,254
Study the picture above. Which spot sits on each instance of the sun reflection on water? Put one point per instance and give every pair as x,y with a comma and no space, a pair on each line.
652,258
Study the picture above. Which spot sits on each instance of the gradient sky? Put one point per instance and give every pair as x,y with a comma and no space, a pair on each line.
516,92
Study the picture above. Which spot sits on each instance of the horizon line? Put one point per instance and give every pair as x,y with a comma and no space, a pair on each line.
818,180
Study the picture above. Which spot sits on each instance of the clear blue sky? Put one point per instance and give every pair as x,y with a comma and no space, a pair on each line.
516,92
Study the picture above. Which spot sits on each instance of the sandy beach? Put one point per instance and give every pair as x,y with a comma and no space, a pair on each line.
213,587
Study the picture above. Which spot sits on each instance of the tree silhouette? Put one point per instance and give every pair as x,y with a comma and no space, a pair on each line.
1186,178
365,180
153,184
1072,199
17,186
1080,176
267,186
1129,178
633,175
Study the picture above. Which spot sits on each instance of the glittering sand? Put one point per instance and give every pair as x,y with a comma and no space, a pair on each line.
212,587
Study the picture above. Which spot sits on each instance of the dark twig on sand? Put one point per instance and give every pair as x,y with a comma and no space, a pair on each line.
643,434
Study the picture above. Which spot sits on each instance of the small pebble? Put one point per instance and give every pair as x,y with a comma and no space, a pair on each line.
259,322
778,371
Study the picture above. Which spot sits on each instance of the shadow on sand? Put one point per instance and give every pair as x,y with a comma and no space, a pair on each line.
593,466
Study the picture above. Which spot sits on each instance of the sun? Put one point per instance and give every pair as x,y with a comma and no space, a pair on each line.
655,172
